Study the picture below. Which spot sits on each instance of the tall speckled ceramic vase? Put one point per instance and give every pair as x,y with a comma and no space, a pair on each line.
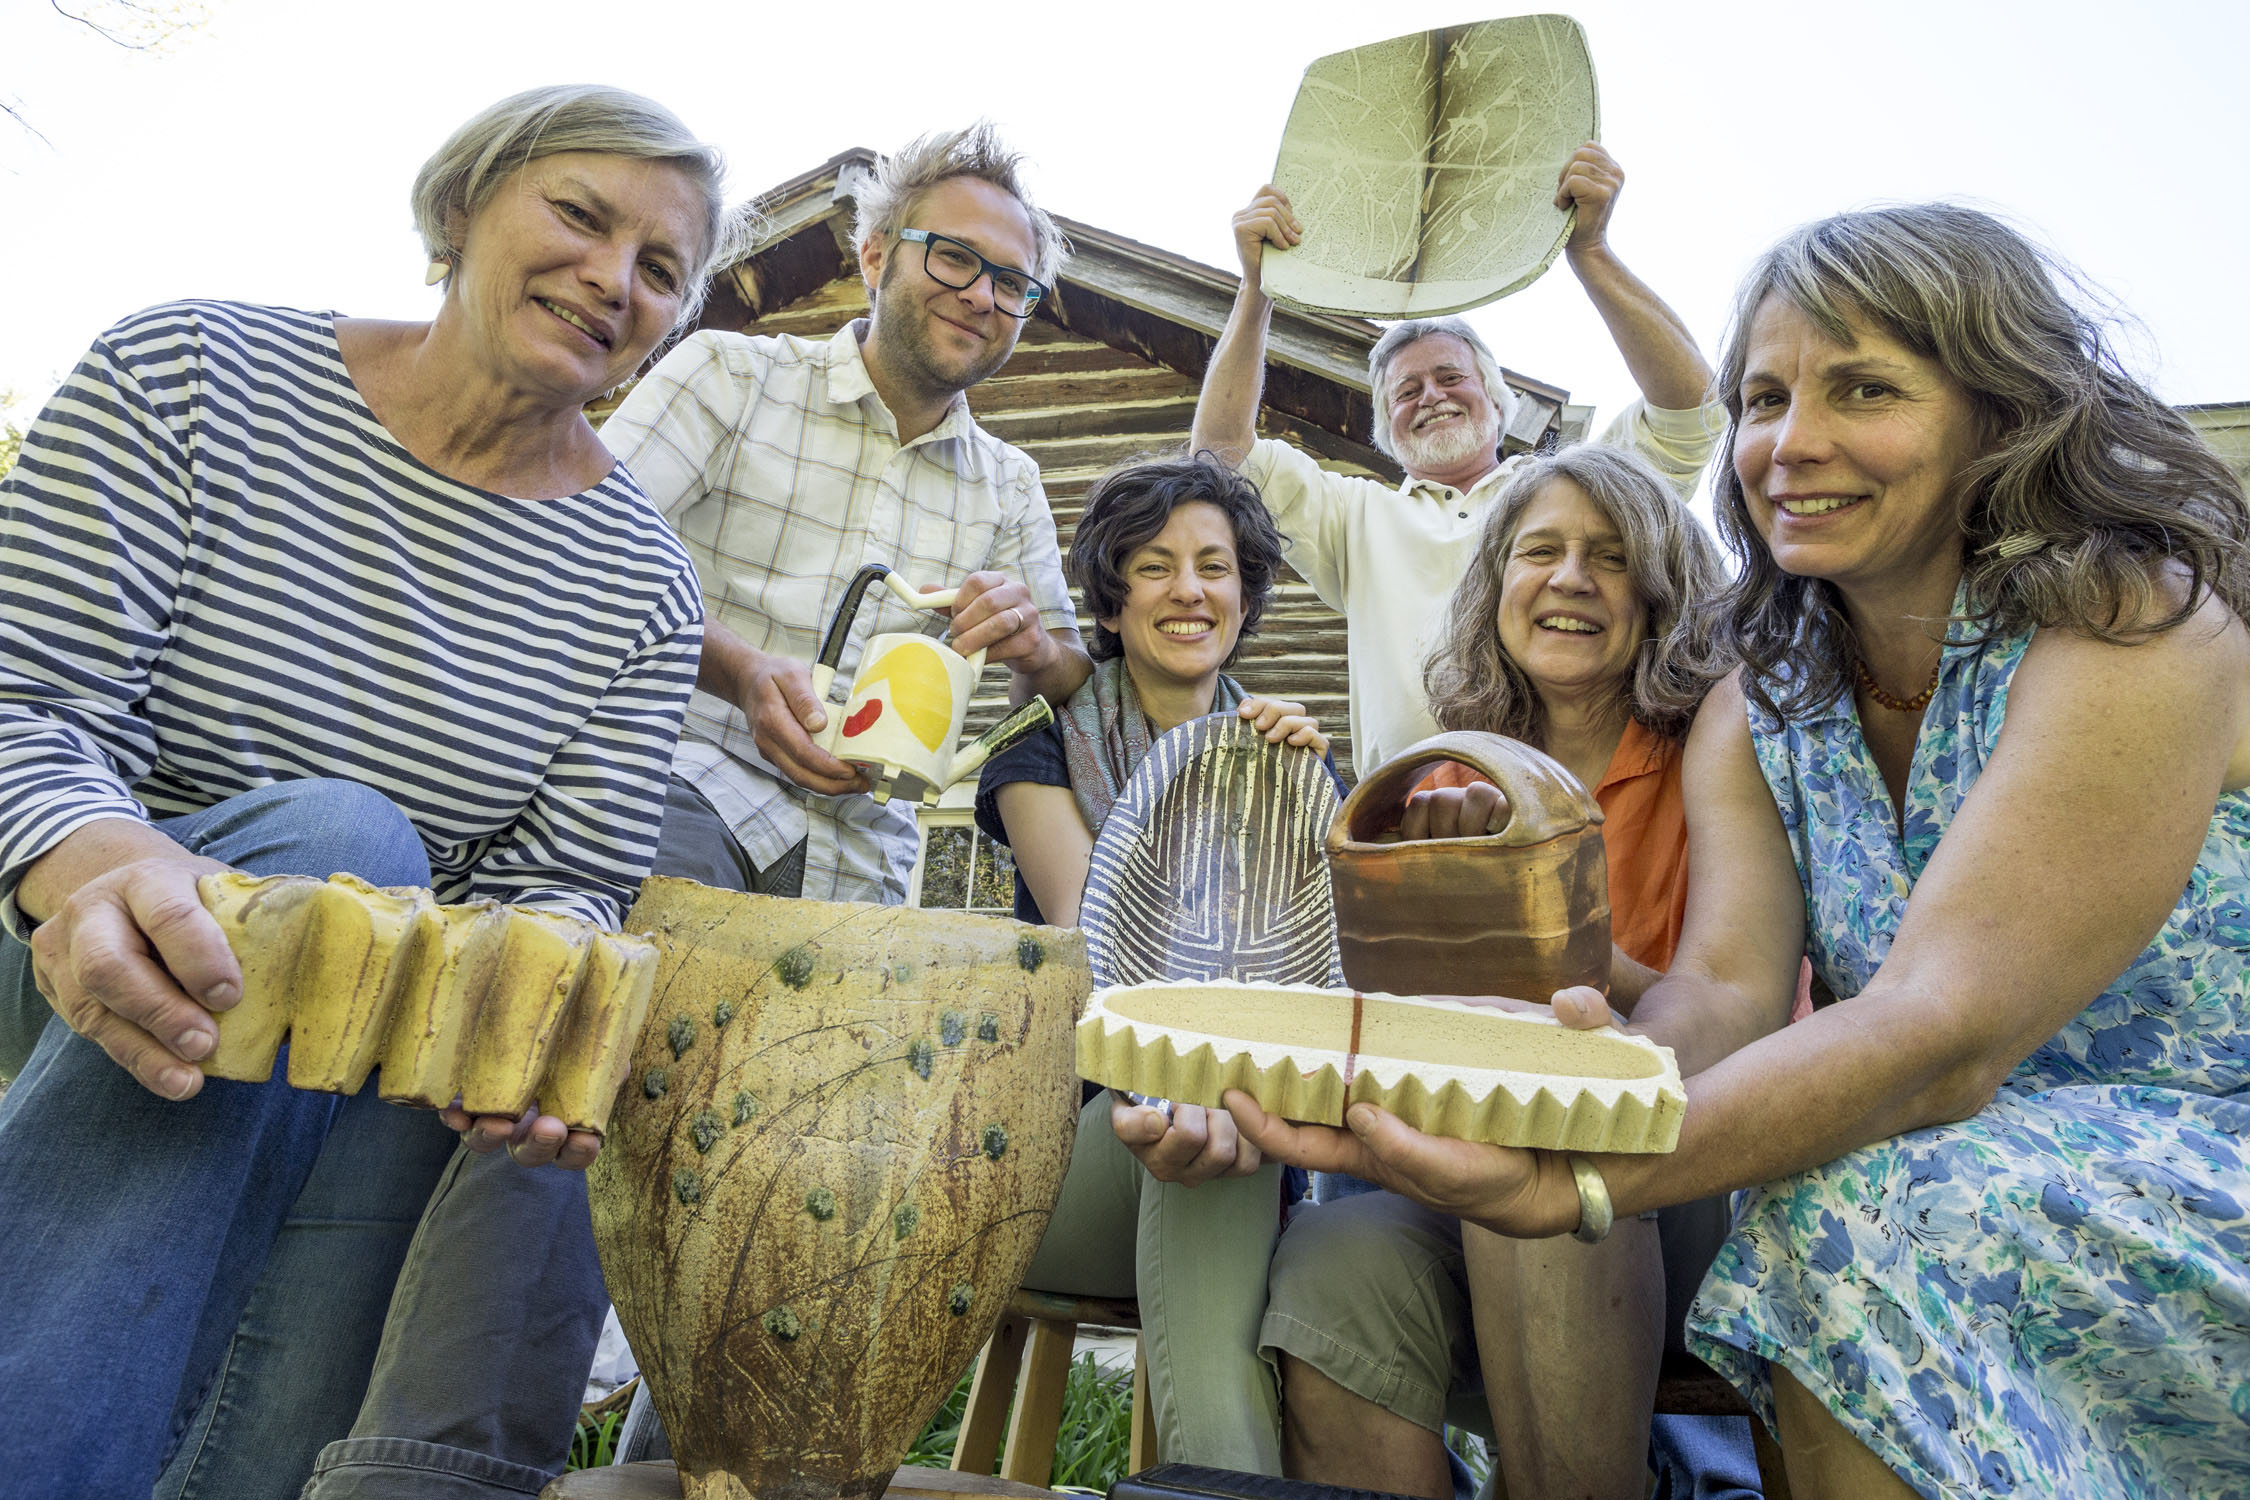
844,1132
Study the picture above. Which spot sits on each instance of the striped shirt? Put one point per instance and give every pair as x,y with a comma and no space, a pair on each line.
219,571
783,471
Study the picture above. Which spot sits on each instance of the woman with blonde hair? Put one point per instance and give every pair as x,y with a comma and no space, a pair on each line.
297,593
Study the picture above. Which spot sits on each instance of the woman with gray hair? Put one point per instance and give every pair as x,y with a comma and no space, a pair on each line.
1575,629
297,593
1988,760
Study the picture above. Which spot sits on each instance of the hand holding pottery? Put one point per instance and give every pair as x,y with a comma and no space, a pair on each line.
1507,1189
132,962
1189,1144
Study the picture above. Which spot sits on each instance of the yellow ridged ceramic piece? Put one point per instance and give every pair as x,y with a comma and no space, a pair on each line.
600,1028
498,1005
1472,1072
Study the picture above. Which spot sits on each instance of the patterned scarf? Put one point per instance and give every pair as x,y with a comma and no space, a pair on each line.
1105,735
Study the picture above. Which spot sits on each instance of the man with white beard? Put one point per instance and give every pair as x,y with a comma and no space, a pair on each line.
1387,559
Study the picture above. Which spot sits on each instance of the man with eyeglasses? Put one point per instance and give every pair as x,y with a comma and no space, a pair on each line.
786,464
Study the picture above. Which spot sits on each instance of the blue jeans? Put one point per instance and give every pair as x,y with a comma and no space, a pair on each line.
192,1293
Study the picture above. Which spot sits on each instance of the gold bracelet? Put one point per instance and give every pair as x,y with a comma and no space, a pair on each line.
1594,1213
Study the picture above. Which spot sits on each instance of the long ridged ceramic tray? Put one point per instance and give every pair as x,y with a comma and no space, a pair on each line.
498,1005
1466,1071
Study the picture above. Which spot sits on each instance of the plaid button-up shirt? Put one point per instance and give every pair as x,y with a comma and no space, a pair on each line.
782,471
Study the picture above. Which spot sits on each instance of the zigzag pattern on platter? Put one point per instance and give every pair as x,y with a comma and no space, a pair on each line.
1555,1097
1210,864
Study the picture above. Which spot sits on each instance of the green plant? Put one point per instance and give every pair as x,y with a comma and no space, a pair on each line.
1091,1449
1470,1449
1096,1440
934,1448
594,1444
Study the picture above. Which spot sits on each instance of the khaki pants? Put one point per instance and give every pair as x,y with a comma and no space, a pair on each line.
1370,1290
1196,1258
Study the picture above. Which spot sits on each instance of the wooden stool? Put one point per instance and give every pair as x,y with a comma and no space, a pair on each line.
1048,1323
1687,1387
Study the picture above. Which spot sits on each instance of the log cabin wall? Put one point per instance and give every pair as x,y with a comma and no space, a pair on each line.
1108,371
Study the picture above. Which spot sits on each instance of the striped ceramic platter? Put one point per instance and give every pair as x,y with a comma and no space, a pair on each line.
1210,865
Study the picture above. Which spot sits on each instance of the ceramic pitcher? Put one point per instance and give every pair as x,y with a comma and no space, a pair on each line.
904,713
1521,912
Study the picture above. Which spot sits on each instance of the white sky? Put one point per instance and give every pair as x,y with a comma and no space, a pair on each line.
268,157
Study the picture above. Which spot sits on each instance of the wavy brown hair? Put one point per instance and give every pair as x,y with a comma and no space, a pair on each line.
2088,487
1670,561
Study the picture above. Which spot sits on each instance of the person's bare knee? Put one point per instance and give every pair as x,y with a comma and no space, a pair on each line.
1331,1436
1570,1337
1822,1454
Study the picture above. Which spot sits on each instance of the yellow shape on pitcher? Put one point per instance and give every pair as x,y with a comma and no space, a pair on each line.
921,690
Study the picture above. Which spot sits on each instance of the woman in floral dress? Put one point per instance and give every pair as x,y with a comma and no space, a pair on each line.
1985,762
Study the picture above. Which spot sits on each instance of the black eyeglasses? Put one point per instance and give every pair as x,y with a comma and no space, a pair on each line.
951,263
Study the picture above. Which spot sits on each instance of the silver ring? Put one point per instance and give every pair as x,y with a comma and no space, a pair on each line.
1015,617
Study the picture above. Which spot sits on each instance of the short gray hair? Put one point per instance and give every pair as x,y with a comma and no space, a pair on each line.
464,173
1394,342
901,178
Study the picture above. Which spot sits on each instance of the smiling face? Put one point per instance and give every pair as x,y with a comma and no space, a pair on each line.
576,266
1442,423
1567,613
936,338
1849,456
1182,611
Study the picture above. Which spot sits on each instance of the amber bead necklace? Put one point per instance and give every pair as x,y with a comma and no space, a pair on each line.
1913,705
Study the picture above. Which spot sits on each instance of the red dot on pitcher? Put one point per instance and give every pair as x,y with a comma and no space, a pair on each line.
868,713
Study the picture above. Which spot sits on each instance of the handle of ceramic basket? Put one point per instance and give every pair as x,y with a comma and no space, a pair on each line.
1544,800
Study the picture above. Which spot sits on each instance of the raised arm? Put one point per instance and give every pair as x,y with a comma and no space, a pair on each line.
1226,413
1656,345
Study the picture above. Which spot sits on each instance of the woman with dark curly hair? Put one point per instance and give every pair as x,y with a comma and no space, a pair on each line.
1175,558
1986,760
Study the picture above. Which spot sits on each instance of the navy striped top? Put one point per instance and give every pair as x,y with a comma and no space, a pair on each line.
219,571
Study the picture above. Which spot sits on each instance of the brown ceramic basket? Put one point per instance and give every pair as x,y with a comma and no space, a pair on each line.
1522,912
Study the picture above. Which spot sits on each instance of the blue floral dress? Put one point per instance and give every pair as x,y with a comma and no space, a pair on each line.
2052,1297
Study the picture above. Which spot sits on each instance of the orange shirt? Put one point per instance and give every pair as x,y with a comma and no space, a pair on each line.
1644,838
1644,841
